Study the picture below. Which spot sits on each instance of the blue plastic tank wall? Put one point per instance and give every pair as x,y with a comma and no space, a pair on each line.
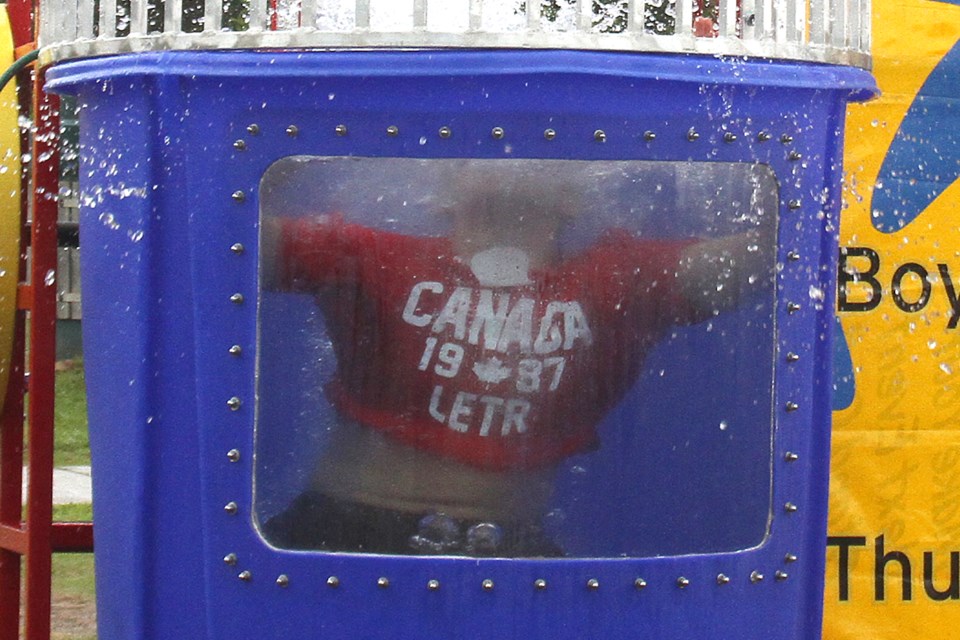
169,179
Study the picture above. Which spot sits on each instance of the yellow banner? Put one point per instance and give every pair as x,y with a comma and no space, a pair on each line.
893,559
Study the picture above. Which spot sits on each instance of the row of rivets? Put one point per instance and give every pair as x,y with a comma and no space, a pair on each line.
282,580
498,133
793,204
540,584
234,403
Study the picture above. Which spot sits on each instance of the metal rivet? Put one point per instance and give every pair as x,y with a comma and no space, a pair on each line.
763,136
793,255
333,582
237,248
729,136
649,136
790,557
793,307
540,584
238,196
599,135
253,129
790,456
790,507
393,131
692,135
340,130
723,579
792,357
283,580
756,576
382,582
794,156
781,575
497,133
235,350
293,130
230,559
234,403
639,583
233,455
239,145
682,582
237,298
593,584
549,134
487,584
433,585
231,508
793,204
445,132
786,138
791,406
245,576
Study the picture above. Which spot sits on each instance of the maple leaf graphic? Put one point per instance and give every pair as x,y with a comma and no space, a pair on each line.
491,370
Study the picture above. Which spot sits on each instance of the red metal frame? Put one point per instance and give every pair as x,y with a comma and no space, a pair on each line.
32,541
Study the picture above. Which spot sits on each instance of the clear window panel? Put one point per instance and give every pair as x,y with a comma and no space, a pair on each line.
516,358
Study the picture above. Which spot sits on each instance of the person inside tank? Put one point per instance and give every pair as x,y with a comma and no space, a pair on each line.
470,366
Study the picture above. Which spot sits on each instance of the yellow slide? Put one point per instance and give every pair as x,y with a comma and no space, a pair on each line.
9,205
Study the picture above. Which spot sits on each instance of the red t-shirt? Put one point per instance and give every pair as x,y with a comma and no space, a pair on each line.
499,377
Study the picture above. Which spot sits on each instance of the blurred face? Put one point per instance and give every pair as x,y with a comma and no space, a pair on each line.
522,216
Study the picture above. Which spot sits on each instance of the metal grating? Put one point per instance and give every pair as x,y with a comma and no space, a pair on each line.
832,31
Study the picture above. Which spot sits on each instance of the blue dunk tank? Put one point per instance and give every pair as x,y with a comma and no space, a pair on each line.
458,343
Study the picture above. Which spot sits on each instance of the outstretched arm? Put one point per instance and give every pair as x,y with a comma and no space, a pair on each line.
715,275
304,254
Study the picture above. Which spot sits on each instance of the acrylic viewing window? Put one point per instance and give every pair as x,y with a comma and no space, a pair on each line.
522,358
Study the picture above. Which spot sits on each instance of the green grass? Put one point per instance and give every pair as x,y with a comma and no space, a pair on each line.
71,439
72,585
73,572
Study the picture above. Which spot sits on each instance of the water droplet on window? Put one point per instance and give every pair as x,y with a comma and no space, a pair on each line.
723,425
